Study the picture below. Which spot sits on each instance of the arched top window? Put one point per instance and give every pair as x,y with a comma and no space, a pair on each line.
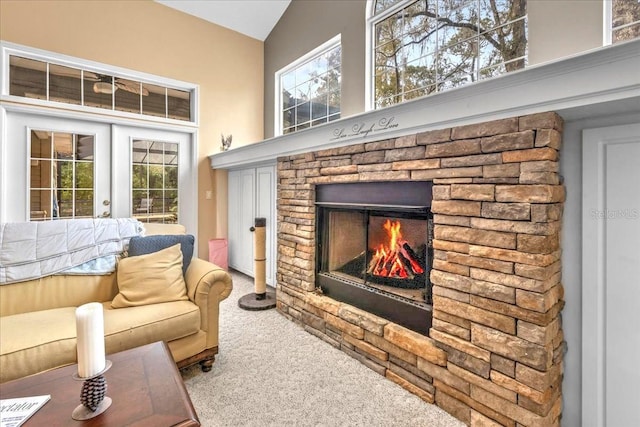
419,47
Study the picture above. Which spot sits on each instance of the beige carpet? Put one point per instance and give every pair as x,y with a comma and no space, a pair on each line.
270,372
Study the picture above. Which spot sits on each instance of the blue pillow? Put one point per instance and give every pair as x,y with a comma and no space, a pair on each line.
139,245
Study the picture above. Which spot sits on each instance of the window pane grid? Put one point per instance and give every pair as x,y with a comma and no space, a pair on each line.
306,91
154,186
426,47
625,20
61,176
35,79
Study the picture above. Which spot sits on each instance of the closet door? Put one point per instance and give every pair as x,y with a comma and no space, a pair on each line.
252,194
611,267
241,219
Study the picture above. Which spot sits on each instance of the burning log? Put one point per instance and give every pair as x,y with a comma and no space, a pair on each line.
377,261
407,265
411,256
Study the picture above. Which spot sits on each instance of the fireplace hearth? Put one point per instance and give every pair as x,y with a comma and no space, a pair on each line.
374,248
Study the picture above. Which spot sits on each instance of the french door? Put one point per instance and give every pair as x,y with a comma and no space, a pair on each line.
154,175
55,168
59,167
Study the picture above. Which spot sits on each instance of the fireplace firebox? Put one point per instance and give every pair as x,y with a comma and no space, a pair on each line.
374,248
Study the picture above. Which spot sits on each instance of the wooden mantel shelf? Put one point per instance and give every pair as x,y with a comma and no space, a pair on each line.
603,81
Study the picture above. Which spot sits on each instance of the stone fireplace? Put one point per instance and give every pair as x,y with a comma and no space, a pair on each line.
492,351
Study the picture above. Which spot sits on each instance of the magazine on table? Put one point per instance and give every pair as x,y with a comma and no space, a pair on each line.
14,412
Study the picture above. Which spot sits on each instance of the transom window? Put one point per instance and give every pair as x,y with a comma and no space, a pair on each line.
625,20
308,90
61,175
420,47
154,185
49,81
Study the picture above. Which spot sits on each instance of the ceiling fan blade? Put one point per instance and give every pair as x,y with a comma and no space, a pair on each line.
132,87
88,75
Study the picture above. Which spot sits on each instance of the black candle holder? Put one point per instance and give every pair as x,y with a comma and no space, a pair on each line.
93,401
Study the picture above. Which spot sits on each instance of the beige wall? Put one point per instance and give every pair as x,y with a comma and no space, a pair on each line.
146,36
305,25
562,28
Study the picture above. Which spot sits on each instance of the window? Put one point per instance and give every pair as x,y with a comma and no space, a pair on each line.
625,20
61,175
154,185
419,47
308,90
48,81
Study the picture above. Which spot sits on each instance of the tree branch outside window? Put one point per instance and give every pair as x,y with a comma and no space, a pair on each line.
428,45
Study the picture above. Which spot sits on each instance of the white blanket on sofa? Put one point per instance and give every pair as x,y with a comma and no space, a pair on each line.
29,250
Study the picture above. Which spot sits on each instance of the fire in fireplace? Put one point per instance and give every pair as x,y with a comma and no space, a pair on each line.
394,261
374,248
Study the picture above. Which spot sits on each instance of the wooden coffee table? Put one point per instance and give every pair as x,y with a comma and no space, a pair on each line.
144,384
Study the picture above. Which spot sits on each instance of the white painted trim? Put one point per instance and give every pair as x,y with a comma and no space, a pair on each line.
27,170
8,48
193,217
277,104
574,85
594,260
592,285
4,67
607,14
165,124
370,22
111,115
324,47
368,54
3,166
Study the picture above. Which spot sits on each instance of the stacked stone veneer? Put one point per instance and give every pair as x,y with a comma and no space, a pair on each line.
494,355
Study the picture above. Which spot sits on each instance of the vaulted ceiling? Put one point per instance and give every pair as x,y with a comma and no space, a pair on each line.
254,18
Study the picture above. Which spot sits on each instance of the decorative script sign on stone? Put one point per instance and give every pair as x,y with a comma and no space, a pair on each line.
363,129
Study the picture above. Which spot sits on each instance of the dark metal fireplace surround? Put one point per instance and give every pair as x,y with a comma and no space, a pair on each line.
374,248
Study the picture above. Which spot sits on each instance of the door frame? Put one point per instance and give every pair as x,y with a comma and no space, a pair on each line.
595,142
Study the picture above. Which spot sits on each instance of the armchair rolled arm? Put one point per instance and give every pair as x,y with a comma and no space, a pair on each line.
207,285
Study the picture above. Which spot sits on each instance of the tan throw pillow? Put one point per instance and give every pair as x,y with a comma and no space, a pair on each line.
150,279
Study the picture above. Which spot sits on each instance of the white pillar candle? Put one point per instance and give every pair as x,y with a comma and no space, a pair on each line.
90,339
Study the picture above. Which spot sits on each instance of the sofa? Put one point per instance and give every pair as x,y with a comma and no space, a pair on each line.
38,323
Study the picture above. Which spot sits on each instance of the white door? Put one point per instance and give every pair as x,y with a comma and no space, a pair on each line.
168,196
241,219
54,167
611,277
252,195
